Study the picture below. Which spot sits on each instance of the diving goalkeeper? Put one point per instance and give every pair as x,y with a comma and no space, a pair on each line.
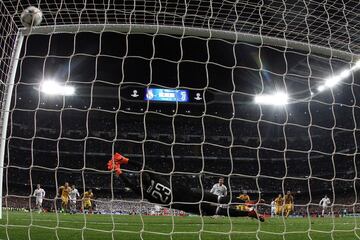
157,189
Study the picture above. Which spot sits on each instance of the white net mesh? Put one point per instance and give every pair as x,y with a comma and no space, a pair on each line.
329,23
221,55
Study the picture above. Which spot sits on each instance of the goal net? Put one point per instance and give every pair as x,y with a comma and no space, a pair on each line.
260,93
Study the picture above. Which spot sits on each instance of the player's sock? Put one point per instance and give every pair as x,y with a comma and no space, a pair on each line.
217,210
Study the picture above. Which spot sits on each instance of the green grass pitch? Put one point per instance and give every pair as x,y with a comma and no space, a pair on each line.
21,225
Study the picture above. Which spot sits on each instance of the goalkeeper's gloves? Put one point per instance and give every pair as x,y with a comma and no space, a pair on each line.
115,162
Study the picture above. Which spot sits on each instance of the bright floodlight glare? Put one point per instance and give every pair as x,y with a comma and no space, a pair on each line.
345,74
321,88
330,82
357,65
277,99
51,87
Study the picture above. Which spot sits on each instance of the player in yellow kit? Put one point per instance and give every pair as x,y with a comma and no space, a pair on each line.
64,192
246,198
289,204
279,204
87,198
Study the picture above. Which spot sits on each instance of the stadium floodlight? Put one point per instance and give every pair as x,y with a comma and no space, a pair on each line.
345,74
321,88
356,66
332,81
51,87
277,99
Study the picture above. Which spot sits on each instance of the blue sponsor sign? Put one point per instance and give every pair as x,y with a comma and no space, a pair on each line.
166,95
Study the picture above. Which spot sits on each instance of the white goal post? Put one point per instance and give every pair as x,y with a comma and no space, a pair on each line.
7,95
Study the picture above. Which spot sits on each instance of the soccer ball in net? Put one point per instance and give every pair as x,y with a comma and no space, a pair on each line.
31,16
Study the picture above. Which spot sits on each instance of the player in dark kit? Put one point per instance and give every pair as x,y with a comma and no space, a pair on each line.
157,189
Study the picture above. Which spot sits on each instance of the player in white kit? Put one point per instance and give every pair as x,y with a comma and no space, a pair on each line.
220,190
272,205
73,195
324,203
39,193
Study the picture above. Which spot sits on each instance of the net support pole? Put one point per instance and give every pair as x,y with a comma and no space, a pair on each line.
9,86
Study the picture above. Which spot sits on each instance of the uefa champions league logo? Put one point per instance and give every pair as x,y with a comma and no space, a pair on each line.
135,94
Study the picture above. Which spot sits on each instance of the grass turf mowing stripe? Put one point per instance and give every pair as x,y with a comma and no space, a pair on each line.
20,225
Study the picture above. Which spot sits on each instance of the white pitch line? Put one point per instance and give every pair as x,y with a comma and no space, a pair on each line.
103,223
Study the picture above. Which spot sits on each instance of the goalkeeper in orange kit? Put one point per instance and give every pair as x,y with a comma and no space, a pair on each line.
157,189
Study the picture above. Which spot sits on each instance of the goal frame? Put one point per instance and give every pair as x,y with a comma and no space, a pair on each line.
197,32
308,48
4,118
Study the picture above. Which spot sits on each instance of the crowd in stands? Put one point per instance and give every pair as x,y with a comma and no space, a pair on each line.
131,206
74,124
255,157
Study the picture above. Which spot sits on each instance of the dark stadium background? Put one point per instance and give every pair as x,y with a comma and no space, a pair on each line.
308,147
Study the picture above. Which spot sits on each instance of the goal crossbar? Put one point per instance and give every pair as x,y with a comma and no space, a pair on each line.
307,48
